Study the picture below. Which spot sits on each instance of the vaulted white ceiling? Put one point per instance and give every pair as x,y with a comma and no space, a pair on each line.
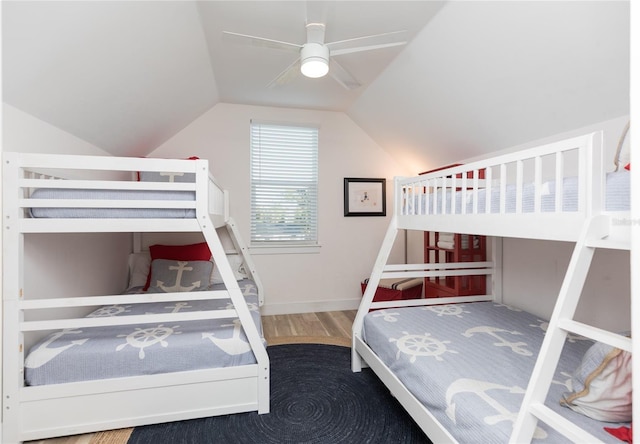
475,76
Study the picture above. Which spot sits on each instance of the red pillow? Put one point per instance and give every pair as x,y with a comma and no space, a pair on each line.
193,252
628,167
622,433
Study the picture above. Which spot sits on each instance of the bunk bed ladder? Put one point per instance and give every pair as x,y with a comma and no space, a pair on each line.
561,323
259,351
243,250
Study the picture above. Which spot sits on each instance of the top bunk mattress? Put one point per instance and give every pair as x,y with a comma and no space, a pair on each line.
617,198
109,213
470,364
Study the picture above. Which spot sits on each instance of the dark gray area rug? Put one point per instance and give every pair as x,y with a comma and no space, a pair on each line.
315,399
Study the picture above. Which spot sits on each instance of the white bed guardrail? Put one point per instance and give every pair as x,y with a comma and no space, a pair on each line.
109,173
480,186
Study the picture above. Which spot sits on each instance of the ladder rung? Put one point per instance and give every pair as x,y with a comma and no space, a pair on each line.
609,244
561,424
597,334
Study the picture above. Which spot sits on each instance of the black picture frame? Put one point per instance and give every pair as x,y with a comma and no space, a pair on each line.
365,197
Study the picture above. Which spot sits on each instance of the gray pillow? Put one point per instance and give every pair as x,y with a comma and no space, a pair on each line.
169,276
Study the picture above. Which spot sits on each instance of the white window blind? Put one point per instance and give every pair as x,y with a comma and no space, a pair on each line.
284,185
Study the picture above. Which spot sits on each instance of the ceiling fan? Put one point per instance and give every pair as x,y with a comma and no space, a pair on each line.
316,57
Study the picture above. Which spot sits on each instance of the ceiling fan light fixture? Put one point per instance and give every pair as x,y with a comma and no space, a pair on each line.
314,60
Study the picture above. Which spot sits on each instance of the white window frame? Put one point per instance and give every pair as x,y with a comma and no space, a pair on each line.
283,157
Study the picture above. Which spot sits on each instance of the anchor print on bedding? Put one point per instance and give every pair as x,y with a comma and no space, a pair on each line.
465,387
486,391
483,390
476,391
44,353
237,344
151,348
495,332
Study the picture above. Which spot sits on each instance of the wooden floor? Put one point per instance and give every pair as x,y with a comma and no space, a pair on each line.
332,327
326,327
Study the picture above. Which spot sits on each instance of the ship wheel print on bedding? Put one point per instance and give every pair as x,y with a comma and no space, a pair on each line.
43,354
420,345
146,337
516,347
234,345
109,311
386,316
481,389
177,287
447,310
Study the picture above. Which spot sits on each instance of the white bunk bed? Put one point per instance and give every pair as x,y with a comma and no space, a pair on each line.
124,205
557,192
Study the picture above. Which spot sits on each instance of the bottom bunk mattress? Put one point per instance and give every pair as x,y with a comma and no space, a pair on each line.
128,350
469,365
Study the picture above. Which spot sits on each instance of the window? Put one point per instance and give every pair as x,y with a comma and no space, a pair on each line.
284,185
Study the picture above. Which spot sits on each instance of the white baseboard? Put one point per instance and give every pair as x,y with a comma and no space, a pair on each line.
309,307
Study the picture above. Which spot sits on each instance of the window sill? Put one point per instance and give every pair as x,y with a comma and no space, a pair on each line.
285,249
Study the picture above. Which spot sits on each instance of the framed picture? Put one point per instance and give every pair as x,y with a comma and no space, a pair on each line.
365,197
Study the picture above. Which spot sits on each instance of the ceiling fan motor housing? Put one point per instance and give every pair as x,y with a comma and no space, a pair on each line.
314,60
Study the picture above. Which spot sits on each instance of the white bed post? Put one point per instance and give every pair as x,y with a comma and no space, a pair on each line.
372,286
222,262
496,276
12,288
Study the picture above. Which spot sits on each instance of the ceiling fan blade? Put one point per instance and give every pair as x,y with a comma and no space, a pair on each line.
397,37
260,41
342,76
366,48
287,75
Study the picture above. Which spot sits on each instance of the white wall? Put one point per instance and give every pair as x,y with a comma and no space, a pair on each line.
533,274
482,75
612,131
23,133
60,265
295,283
